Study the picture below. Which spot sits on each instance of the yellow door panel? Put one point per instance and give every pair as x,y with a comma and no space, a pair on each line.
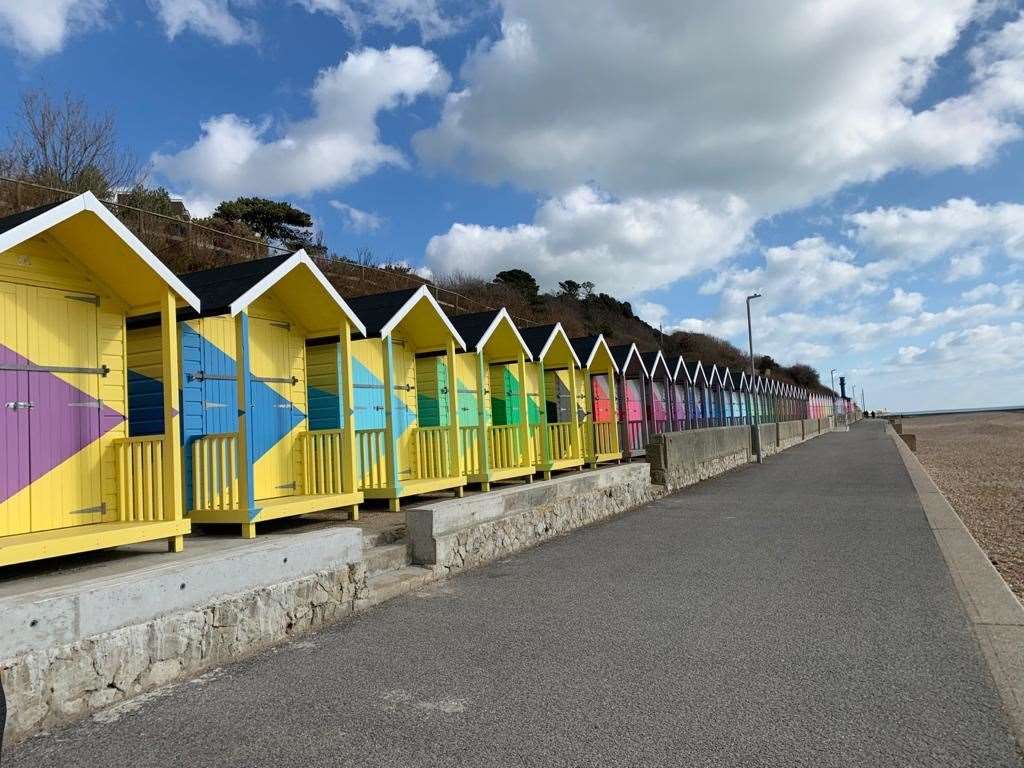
272,412
65,420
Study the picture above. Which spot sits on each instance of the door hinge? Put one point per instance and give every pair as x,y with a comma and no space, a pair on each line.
102,509
93,404
18,405
204,376
286,486
276,379
87,299
211,404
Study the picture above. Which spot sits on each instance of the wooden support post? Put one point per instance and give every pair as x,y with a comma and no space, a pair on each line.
454,449
526,444
613,395
543,408
391,437
484,449
590,435
349,459
172,474
644,425
575,438
246,452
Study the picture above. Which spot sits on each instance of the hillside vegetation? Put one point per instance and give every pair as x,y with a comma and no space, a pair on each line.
58,148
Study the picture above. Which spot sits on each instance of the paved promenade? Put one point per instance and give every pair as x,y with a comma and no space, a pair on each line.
794,614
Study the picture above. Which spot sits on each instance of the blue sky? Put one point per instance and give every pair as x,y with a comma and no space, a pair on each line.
857,162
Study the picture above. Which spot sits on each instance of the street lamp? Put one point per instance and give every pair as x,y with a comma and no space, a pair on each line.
755,421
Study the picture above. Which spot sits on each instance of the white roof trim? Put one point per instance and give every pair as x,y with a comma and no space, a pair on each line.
494,326
421,292
660,356
282,269
558,329
699,367
629,356
87,202
681,363
599,342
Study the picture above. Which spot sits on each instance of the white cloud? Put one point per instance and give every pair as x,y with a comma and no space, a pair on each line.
979,292
961,229
964,266
651,312
668,97
426,15
338,144
797,276
974,350
625,246
356,220
210,18
41,27
906,302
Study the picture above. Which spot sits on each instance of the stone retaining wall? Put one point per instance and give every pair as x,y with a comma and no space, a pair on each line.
679,459
451,536
790,434
769,438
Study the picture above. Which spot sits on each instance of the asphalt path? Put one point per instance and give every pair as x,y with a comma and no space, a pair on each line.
793,614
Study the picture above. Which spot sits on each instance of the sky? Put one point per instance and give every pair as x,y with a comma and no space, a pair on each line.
857,162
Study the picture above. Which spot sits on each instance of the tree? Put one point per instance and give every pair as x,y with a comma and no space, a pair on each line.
765,363
569,288
61,144
804,376
273,220
519,280
154,200
587,287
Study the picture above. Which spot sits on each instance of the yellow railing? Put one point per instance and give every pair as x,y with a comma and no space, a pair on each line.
604,437
140,478
370,453
560,440
321,461
469,442
215,472
504,445
432,459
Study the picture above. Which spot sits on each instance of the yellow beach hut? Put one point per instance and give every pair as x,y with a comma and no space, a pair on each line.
250,454
495,433
404,374
71,274
600,429
552,384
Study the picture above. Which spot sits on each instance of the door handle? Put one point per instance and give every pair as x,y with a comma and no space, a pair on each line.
17,405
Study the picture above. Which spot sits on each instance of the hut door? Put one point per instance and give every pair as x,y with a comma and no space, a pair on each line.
505,396
558,396
52,416
601,394
273,412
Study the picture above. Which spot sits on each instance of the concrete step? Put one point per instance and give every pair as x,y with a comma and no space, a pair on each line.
388,584
389,557
380,538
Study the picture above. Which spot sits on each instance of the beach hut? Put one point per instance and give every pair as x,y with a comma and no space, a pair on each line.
632,386
404,374
71,275
715,398
682,393
493,403
552,381
699,396
742,382
250,451
600,428
730,409
659,393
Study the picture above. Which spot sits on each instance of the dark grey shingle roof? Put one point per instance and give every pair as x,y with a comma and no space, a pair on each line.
472,327
219,286
377,309
17,219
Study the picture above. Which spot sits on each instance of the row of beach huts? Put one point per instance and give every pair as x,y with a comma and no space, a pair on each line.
136,402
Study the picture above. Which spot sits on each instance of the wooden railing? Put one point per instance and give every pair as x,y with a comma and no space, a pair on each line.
660,425
635,435
432,459
469,443
560,440
322,462
604,437
215,472
505,447
140,478
370,455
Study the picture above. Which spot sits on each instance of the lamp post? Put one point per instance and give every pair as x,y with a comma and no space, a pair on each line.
755,421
